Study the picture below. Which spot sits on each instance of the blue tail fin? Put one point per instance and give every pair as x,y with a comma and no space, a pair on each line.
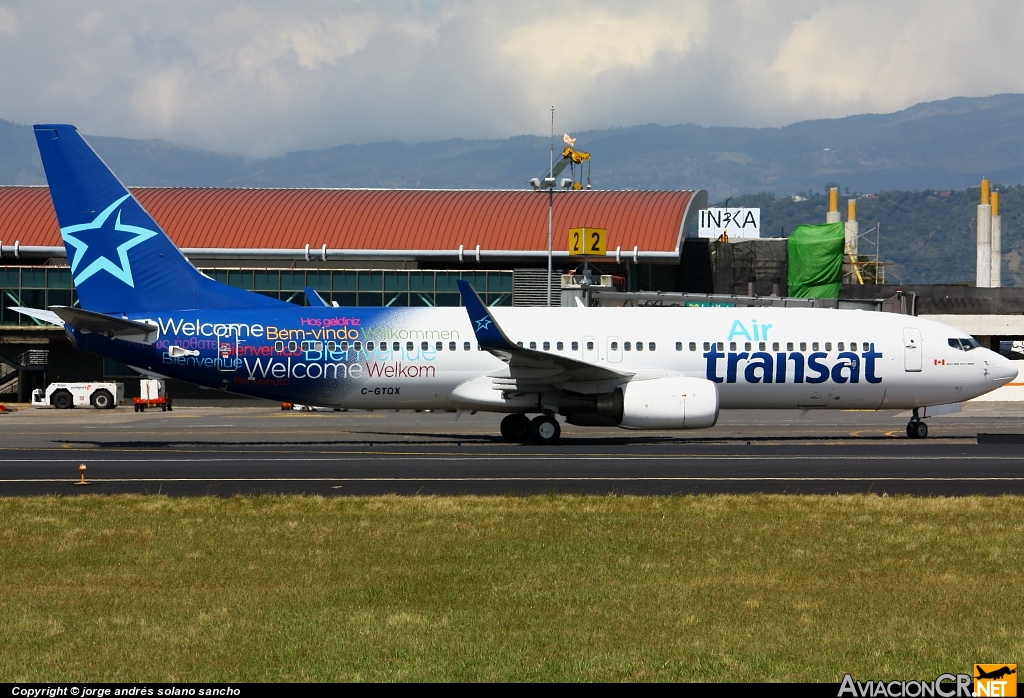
120,259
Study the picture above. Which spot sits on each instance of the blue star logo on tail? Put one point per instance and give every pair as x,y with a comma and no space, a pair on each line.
483,323
98,244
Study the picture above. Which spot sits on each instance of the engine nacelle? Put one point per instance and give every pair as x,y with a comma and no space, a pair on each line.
675,402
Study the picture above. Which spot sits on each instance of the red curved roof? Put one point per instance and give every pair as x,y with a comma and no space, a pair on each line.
368,219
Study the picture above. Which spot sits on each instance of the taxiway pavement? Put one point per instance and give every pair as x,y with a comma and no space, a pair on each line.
246,450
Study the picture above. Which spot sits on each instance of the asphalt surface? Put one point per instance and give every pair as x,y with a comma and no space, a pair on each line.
245,450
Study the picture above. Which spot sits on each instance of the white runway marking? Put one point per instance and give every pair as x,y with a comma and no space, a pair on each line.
528,479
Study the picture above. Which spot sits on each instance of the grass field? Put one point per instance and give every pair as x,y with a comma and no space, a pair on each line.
542,588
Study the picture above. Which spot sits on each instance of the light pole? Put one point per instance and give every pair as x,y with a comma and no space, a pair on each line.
551,198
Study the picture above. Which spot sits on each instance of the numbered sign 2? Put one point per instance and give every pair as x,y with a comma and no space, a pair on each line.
590,242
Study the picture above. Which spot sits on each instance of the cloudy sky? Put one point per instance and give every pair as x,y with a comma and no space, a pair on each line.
261,78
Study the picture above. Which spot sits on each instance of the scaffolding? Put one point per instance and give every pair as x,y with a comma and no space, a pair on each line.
866,269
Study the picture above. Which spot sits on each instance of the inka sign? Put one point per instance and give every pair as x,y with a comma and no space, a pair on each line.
736,223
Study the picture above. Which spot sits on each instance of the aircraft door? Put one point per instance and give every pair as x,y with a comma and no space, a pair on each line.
591,352
227,353
614,349
911,349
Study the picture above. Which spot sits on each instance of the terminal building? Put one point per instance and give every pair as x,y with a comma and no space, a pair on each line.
354,247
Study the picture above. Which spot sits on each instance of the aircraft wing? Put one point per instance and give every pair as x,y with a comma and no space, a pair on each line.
530,370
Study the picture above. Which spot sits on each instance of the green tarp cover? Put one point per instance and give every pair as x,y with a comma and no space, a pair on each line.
815,260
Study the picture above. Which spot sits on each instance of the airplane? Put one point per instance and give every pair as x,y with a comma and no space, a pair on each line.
145,305
995,674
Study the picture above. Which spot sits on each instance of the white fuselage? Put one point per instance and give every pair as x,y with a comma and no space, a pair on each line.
773,358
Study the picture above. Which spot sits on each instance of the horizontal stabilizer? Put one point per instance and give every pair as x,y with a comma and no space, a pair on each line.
114,327
42,315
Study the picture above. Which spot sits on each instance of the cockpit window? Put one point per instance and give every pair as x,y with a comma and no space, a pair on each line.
964,344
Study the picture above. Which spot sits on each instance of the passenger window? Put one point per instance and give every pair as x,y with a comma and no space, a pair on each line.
358,346
639,346
424,346
439,346
408,346
746,346
732,346
840,346
396,347
615,346
344,346
762,346
575,346
651,346
721,346
547,346
707,346
590,346
331,346
292,346
278,346
789,346
814,346
519,343
693,346
803,346
853,346
452,346
775,346
559,346
679,346
627,346
318,346
828,346
369,346
465,346
533,345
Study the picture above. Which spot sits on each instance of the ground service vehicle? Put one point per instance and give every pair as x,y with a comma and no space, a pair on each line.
63,396
145,305
152,393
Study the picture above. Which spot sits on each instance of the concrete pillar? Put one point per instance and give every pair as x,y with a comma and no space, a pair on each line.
996,279
833,206
983,268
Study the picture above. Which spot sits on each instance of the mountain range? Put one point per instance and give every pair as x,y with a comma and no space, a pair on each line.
948,144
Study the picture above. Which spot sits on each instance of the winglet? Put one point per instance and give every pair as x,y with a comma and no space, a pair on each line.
486,329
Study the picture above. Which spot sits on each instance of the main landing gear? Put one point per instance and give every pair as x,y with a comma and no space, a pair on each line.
916,429
521,429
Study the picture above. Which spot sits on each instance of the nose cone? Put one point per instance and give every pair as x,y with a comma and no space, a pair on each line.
1003,370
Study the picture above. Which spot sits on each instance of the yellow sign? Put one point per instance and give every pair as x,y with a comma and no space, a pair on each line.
588,242
995,680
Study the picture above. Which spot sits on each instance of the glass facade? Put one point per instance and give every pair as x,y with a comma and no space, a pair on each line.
39,287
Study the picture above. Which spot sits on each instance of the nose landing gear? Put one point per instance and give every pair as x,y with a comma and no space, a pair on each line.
916,429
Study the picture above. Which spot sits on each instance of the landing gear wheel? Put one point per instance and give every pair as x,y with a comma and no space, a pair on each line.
516,428
917,430
544,430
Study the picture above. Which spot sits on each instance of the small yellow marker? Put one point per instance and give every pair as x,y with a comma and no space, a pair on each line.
81,475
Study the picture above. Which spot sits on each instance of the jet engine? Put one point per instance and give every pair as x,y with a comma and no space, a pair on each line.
674,402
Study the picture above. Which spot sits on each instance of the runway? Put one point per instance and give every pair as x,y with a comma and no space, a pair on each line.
227,451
